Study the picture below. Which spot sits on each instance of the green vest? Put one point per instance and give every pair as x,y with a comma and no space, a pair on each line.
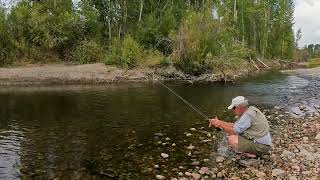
259,124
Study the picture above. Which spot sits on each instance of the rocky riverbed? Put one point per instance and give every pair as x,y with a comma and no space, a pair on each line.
295,154
295,128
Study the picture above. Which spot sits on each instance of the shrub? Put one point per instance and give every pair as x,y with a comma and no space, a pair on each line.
127,54
314,62
88,52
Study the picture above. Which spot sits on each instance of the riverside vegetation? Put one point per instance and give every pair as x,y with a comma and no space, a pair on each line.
196,37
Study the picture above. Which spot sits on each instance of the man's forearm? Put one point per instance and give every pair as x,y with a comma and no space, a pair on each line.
228,128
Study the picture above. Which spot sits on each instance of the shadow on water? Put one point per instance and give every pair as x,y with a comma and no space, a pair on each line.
109,131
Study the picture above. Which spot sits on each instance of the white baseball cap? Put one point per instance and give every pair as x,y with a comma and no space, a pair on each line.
237,101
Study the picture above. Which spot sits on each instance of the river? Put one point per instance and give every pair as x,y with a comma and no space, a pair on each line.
120,130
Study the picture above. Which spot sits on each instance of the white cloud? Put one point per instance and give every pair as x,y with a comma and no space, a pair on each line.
306,17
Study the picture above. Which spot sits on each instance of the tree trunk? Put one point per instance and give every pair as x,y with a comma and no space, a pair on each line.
235,14
109,23
242,19
265,39
141,8
109,26
254,35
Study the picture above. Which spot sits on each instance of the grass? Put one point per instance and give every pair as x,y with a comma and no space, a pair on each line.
314,62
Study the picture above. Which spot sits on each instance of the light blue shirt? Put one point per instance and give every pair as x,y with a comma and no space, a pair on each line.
244,123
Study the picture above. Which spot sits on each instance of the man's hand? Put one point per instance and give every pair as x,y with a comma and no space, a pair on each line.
215,122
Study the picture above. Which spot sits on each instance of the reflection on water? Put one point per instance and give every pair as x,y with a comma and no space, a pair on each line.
52,132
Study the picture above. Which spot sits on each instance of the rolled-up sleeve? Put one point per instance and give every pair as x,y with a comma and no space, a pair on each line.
242,124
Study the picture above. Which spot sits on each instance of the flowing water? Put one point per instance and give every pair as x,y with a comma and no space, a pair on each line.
119,131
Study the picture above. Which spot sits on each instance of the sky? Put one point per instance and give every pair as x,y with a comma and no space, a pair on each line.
307,17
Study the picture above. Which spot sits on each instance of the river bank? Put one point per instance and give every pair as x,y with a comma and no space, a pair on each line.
98,73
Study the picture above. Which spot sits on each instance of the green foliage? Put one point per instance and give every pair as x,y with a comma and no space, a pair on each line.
133,33
126,54
314,62
88,52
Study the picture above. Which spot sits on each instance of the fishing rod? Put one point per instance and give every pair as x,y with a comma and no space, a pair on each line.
185,101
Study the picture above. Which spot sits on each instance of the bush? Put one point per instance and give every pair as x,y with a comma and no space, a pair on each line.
88,52
127,54
200,37
195,38
314,62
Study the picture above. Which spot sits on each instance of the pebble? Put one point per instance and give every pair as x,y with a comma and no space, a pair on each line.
317,136
188,173
293,178
304,125
206,160
288,155
168,139
188,134
173,144
306,172
180,174
204,170
219,159
260,174
296,168
164,155
278,172
160,177
195,163
190,147
193,129
219,175
196,176
156,166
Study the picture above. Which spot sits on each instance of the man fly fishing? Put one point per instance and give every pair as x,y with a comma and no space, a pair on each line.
249,135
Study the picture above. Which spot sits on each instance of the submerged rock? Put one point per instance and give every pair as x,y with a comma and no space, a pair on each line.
158,134
196,176
164,155
190,147
195,163
160,177
220,159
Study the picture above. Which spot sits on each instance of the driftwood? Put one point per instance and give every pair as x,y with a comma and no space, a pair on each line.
254,64
289,62
263,63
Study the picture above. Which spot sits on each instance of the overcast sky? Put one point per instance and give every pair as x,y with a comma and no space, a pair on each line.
307,17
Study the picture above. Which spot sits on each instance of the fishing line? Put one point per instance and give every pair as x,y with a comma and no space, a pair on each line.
185,101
